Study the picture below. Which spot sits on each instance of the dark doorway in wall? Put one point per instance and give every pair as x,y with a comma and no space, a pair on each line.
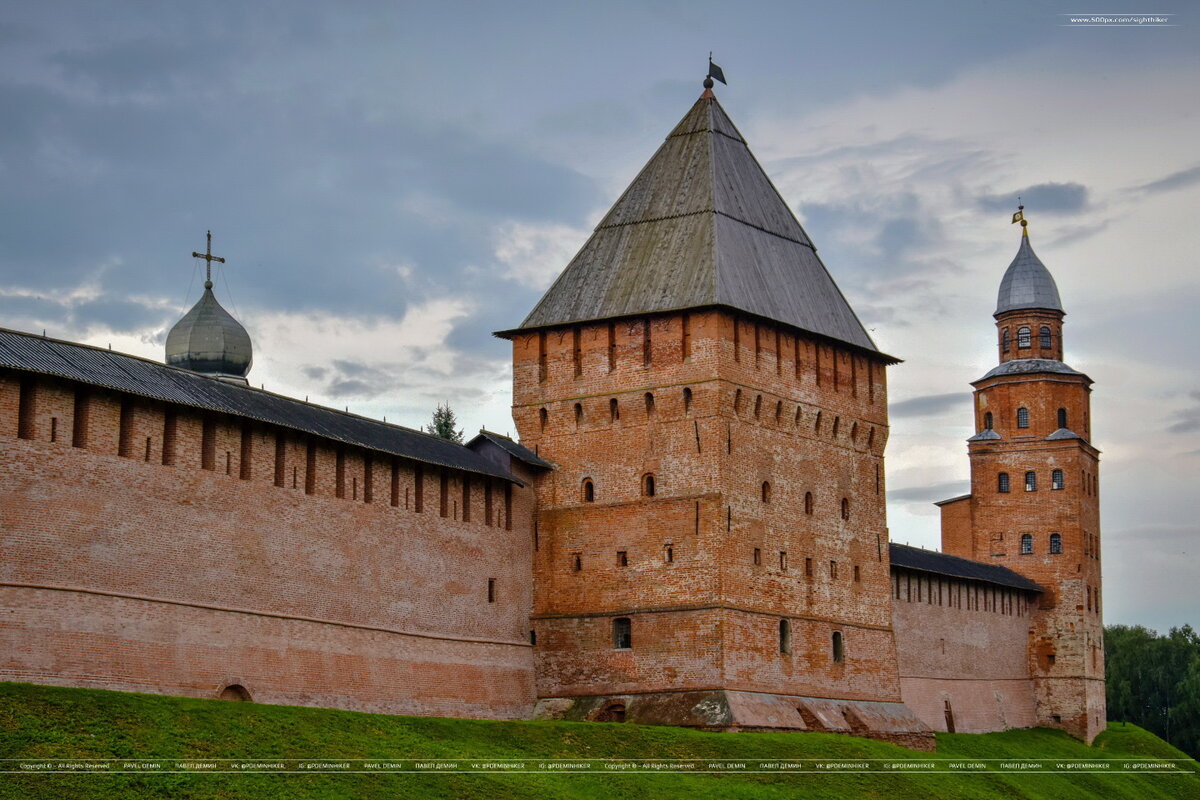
613,712
235,692
949,717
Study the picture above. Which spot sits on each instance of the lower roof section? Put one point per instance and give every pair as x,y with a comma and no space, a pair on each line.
921,560
124,373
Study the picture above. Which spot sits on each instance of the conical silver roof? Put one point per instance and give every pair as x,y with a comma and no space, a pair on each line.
701,225
1027,283
209,340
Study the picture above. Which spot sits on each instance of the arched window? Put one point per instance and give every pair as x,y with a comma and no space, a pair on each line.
839,650
1031,481
737,402
785,636
845,508
1022,417
757,406
1062,418
1005,341
543,418
1024,338
808,503
622,632
578,414
1056,479
817,423
987,421
1002,485
648,484
1056,544
1044,338
1026,544
766,491
649,397
589,491
687,401
614,410
778,412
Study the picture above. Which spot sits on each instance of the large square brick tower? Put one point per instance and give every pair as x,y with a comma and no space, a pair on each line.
711,548
1034,505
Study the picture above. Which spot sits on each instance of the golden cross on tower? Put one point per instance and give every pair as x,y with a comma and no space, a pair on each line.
208,258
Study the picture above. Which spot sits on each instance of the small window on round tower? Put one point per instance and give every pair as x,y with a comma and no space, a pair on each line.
648,484
766,491
1044,338
589,491
1022,417
1024,338
808,503
1062,418
987,421
845,508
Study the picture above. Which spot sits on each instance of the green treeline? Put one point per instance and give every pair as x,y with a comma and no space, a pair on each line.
1154,682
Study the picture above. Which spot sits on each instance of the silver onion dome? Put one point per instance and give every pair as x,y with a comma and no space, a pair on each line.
209,340
1027,283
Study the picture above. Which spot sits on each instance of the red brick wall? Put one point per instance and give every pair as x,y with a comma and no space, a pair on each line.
168,578
755,414
965,643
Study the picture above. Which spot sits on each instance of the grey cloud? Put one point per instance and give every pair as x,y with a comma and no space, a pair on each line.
1052,198
930,494
1188,419
928,405
1176,180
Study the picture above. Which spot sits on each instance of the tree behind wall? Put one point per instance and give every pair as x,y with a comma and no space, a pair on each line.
445,425
1154,681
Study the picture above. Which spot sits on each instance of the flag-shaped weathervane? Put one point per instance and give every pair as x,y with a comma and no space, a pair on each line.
714,71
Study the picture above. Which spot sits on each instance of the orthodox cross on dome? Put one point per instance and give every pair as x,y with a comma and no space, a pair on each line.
208,258
1019,216
714,71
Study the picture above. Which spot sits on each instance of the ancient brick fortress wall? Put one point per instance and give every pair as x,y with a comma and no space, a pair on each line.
737,421
962,649
346,586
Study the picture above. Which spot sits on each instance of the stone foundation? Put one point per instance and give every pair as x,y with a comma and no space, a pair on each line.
722,710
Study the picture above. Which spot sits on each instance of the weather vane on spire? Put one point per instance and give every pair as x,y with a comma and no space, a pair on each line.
714,71
1019,216
208,258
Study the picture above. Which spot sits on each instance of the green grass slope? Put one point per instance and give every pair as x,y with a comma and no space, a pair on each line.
40,722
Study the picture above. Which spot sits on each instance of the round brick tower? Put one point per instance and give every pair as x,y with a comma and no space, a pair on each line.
1034,502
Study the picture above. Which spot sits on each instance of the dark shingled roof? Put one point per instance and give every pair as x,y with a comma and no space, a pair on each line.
1027,283
915,558
701,226
124,373
1024,366
514,449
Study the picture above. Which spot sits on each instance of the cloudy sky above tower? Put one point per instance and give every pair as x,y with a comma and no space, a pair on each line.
392,181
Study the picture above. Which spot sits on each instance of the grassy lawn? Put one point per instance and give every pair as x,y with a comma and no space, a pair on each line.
41,722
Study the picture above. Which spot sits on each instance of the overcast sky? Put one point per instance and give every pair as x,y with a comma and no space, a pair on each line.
392,181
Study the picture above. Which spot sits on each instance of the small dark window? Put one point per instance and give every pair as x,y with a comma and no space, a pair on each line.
817,423
1031,481
1026,544
839,650
737,402
533,637
648,484
783,560
987,421
491,590
837,423
576,563
785,636
1044,338
1002,483
833,570
1024,338
857,574
622,558
766,491
589,491
622,633
614,410
808,503
845,508
778,412
1062,418
649,404
757,556
669,555
1055,544
757,406
1056,479
543,418
578,414
687,401
1005,340
1022,417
